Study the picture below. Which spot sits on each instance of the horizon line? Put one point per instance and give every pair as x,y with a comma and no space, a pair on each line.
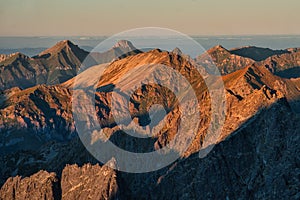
191,35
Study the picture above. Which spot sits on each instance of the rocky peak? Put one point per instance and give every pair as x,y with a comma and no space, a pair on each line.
3,57
58,47
12,57
156,56
285,65
177,51
218,53
124,44
219,48
76,182
42,185
293,49
224,60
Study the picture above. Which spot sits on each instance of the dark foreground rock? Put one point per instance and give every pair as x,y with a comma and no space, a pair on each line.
42,185
86,182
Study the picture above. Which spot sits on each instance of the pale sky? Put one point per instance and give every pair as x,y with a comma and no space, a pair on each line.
107,17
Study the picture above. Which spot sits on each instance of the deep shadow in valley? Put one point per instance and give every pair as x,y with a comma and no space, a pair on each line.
259,160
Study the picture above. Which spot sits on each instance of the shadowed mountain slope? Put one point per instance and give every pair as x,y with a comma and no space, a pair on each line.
286,65
256,154
256,53
54,65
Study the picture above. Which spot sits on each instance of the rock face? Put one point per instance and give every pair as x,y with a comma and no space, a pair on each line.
286,65
256,155
42,185
86,182
225,61
125,44
4,56
77,182
259,161
35,115
120,50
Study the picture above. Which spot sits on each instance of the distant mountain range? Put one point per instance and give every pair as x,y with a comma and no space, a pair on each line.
62,61
279,62
256,155
52,66
26,51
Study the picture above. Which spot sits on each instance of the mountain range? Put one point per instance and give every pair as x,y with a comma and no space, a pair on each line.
54,65
256,155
